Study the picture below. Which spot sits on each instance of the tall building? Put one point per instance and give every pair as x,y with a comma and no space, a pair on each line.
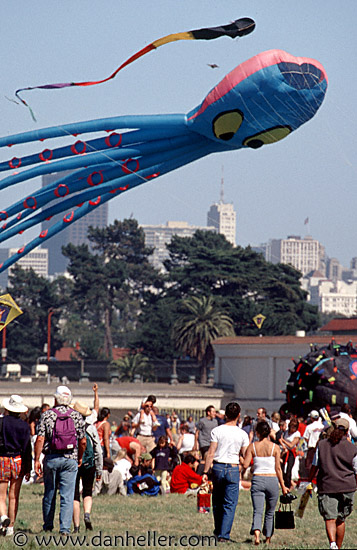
75,233
223,217
305,254
157,236
37,259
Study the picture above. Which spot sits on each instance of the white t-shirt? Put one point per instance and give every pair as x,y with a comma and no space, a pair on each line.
230,441
146,427
123,466
188,443
312,432
292,436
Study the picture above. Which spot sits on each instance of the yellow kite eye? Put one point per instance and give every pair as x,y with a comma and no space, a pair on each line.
225,125
269,136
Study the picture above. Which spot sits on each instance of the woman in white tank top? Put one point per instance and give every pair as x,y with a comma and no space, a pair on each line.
267,475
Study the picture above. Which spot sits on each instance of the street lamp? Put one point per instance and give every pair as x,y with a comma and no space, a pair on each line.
50,313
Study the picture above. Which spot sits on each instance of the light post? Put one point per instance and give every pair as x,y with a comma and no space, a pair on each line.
3,348
50,313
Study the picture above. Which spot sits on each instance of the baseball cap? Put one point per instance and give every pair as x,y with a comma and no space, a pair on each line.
314,414
342,423
146,456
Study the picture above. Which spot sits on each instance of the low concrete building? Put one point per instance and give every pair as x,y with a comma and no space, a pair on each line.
256,369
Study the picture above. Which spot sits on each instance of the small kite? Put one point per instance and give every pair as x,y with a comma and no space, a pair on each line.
259,320
9,310
258,103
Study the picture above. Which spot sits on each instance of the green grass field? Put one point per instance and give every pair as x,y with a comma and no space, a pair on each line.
148,522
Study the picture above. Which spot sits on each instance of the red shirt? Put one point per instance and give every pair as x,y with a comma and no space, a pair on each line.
124,443
182,477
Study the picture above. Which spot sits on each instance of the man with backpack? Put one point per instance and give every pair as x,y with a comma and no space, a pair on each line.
62,439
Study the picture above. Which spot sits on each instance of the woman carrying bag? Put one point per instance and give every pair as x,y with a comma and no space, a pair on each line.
267,475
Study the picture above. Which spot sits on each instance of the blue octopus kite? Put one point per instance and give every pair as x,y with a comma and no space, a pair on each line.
260,102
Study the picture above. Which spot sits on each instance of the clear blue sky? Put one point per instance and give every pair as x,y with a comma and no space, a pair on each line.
310,174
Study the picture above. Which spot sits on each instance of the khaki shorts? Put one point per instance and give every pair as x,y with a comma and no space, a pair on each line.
336,505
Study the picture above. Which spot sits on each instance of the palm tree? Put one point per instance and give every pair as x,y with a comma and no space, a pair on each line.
195,328
132,364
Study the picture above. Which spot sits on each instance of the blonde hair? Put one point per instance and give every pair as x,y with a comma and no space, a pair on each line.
120,455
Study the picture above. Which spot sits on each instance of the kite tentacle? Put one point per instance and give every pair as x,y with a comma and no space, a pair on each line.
117,181
154,170
102,124
79,148
92,176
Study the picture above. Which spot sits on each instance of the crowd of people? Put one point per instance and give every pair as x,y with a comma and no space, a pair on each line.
76,450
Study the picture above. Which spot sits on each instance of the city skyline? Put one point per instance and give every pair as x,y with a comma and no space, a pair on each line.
309,175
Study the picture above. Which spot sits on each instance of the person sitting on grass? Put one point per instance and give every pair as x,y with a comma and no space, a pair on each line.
185,474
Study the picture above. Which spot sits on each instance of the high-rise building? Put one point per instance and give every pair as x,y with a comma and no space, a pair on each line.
157,236
222,216
75,233
37,259
305,254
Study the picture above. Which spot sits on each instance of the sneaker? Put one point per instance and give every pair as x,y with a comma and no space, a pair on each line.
4,524
9,532
333,546
88,522
75,529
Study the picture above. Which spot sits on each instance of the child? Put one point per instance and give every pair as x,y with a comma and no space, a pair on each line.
162,455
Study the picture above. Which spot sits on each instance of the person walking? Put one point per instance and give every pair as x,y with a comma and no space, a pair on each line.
15,460
228,444
267,475
61,437
311,435
204,428
335,464
91,468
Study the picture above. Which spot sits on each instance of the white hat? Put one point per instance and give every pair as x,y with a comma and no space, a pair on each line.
63,395
314,414
15,404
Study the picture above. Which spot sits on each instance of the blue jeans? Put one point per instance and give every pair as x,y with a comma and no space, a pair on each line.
264,490
58,473
224,498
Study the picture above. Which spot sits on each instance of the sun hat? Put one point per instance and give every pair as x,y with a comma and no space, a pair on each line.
314,414
82,408
342,423
15,404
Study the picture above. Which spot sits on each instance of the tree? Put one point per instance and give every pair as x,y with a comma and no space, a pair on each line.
197,325
27,334
110,282
242,283
131,365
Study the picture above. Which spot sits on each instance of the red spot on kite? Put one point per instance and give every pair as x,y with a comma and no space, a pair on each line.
97,201
61,190
46,155
68,217
127,170
15,162
95,178
75,146
109,141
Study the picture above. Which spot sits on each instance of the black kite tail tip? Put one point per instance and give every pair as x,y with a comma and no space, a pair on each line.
245,26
